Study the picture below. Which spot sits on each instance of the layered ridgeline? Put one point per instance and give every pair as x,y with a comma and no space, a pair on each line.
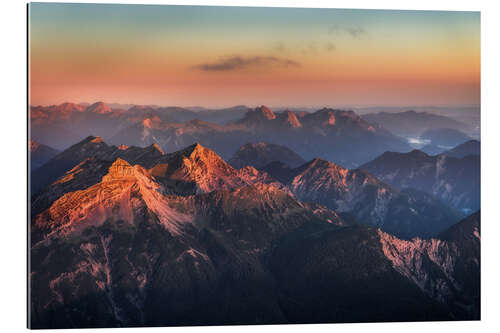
196,169
442,139
454,180
185,238
413,124
471,147
58,125
337,135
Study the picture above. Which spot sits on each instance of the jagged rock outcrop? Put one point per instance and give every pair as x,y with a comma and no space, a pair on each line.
445,268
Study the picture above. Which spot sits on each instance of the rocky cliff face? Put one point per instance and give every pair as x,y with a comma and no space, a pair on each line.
352,267
437,266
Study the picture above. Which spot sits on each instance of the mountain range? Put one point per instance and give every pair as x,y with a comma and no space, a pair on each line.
186,239
197,169
58,125
325,133
413,124
368,200
260,218
455,181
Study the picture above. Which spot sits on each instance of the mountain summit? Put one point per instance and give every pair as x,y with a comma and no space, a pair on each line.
99,107
266,112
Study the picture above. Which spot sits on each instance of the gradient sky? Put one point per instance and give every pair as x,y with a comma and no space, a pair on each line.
223,56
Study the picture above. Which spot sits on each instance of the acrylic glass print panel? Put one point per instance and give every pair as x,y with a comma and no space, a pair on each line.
237,165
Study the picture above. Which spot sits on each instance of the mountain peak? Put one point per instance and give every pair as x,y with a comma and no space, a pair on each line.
97,139
86,146
67,106
33,145
99,107
267,112
291,119
120,169
90,139
319,161
198,153
417,153
194,148
199,169
258,116
319,165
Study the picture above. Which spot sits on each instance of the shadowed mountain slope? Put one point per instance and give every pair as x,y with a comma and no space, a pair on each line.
455,181
260,154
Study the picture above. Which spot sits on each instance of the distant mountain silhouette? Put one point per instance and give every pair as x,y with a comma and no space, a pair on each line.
472,147
338,135
412,123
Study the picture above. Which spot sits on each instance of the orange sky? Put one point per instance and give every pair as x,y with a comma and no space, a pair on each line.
222,56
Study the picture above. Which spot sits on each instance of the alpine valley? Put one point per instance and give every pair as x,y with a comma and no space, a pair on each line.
169,216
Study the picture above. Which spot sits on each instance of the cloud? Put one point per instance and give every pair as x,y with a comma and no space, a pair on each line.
355,32
238,62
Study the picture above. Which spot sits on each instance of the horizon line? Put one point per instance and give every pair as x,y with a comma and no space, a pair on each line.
342,106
